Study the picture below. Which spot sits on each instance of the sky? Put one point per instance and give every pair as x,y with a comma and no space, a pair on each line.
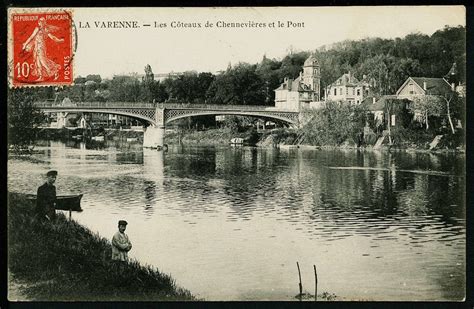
108,51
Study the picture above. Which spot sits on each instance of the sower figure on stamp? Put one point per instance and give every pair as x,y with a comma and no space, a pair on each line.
46,198
37,44
120,243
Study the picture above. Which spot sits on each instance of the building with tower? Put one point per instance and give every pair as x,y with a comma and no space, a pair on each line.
312,76
295,94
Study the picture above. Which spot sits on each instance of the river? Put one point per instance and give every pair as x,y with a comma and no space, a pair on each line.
231,223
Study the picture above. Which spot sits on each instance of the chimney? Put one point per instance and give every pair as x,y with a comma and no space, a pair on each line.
373,100
453,86
424,85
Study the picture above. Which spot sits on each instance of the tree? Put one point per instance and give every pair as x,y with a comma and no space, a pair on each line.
449,105
159,92
94,77
23,119
428,106
147,85
267,70
325,127
238,85
124,88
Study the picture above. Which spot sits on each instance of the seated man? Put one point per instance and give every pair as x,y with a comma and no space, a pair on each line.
46,198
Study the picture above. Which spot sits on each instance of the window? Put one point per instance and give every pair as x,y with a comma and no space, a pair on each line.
335,91
347,91
340,91
358,92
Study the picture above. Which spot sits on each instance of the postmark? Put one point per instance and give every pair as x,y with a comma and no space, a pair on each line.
40,44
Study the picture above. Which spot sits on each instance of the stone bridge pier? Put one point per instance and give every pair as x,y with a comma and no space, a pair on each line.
154,134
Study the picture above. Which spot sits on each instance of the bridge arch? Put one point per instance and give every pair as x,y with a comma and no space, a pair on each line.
147,116
172,115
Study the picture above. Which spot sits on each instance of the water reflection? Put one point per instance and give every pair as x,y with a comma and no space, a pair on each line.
396,214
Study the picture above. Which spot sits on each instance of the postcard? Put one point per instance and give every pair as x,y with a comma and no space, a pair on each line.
237,153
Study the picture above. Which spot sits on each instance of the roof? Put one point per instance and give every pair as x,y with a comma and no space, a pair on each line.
434,85
346,79
293,85
311,62
379,105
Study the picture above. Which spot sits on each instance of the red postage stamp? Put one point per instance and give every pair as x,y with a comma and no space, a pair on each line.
40,48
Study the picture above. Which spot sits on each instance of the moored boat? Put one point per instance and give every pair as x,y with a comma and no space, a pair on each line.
237,141
63,202
98,138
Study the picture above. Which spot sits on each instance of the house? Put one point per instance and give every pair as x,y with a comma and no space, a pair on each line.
420,86
348,88
410,90
378,108
294,94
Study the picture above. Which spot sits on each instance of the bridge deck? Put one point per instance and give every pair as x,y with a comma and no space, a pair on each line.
142,105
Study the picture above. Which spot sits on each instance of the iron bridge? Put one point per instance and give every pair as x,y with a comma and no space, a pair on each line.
161,114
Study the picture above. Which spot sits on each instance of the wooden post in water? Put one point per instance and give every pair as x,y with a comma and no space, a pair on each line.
300,285
315,284
70,212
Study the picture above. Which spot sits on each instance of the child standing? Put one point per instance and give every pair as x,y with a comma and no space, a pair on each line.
120,243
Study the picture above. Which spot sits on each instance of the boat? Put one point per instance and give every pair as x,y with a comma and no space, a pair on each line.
63,202
98,138
237,141
132,139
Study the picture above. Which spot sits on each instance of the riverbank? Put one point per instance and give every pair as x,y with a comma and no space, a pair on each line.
80,133
277,138
64,261
292,139
221,136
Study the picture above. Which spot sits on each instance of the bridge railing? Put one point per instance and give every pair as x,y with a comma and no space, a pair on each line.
222,107
216,106
96,104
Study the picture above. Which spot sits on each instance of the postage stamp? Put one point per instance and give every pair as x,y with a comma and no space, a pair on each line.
40,45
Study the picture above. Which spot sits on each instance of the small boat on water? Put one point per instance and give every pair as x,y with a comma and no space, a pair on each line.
237,141
63,202
98,138
132,139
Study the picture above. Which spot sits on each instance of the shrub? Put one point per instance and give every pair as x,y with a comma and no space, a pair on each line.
334,124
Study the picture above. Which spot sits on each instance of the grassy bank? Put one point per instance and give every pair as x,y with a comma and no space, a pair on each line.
65,261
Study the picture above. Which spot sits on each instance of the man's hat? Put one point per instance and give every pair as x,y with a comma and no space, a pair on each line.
52,173
122,222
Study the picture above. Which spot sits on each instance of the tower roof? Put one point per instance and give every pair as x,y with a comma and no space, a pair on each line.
311,61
